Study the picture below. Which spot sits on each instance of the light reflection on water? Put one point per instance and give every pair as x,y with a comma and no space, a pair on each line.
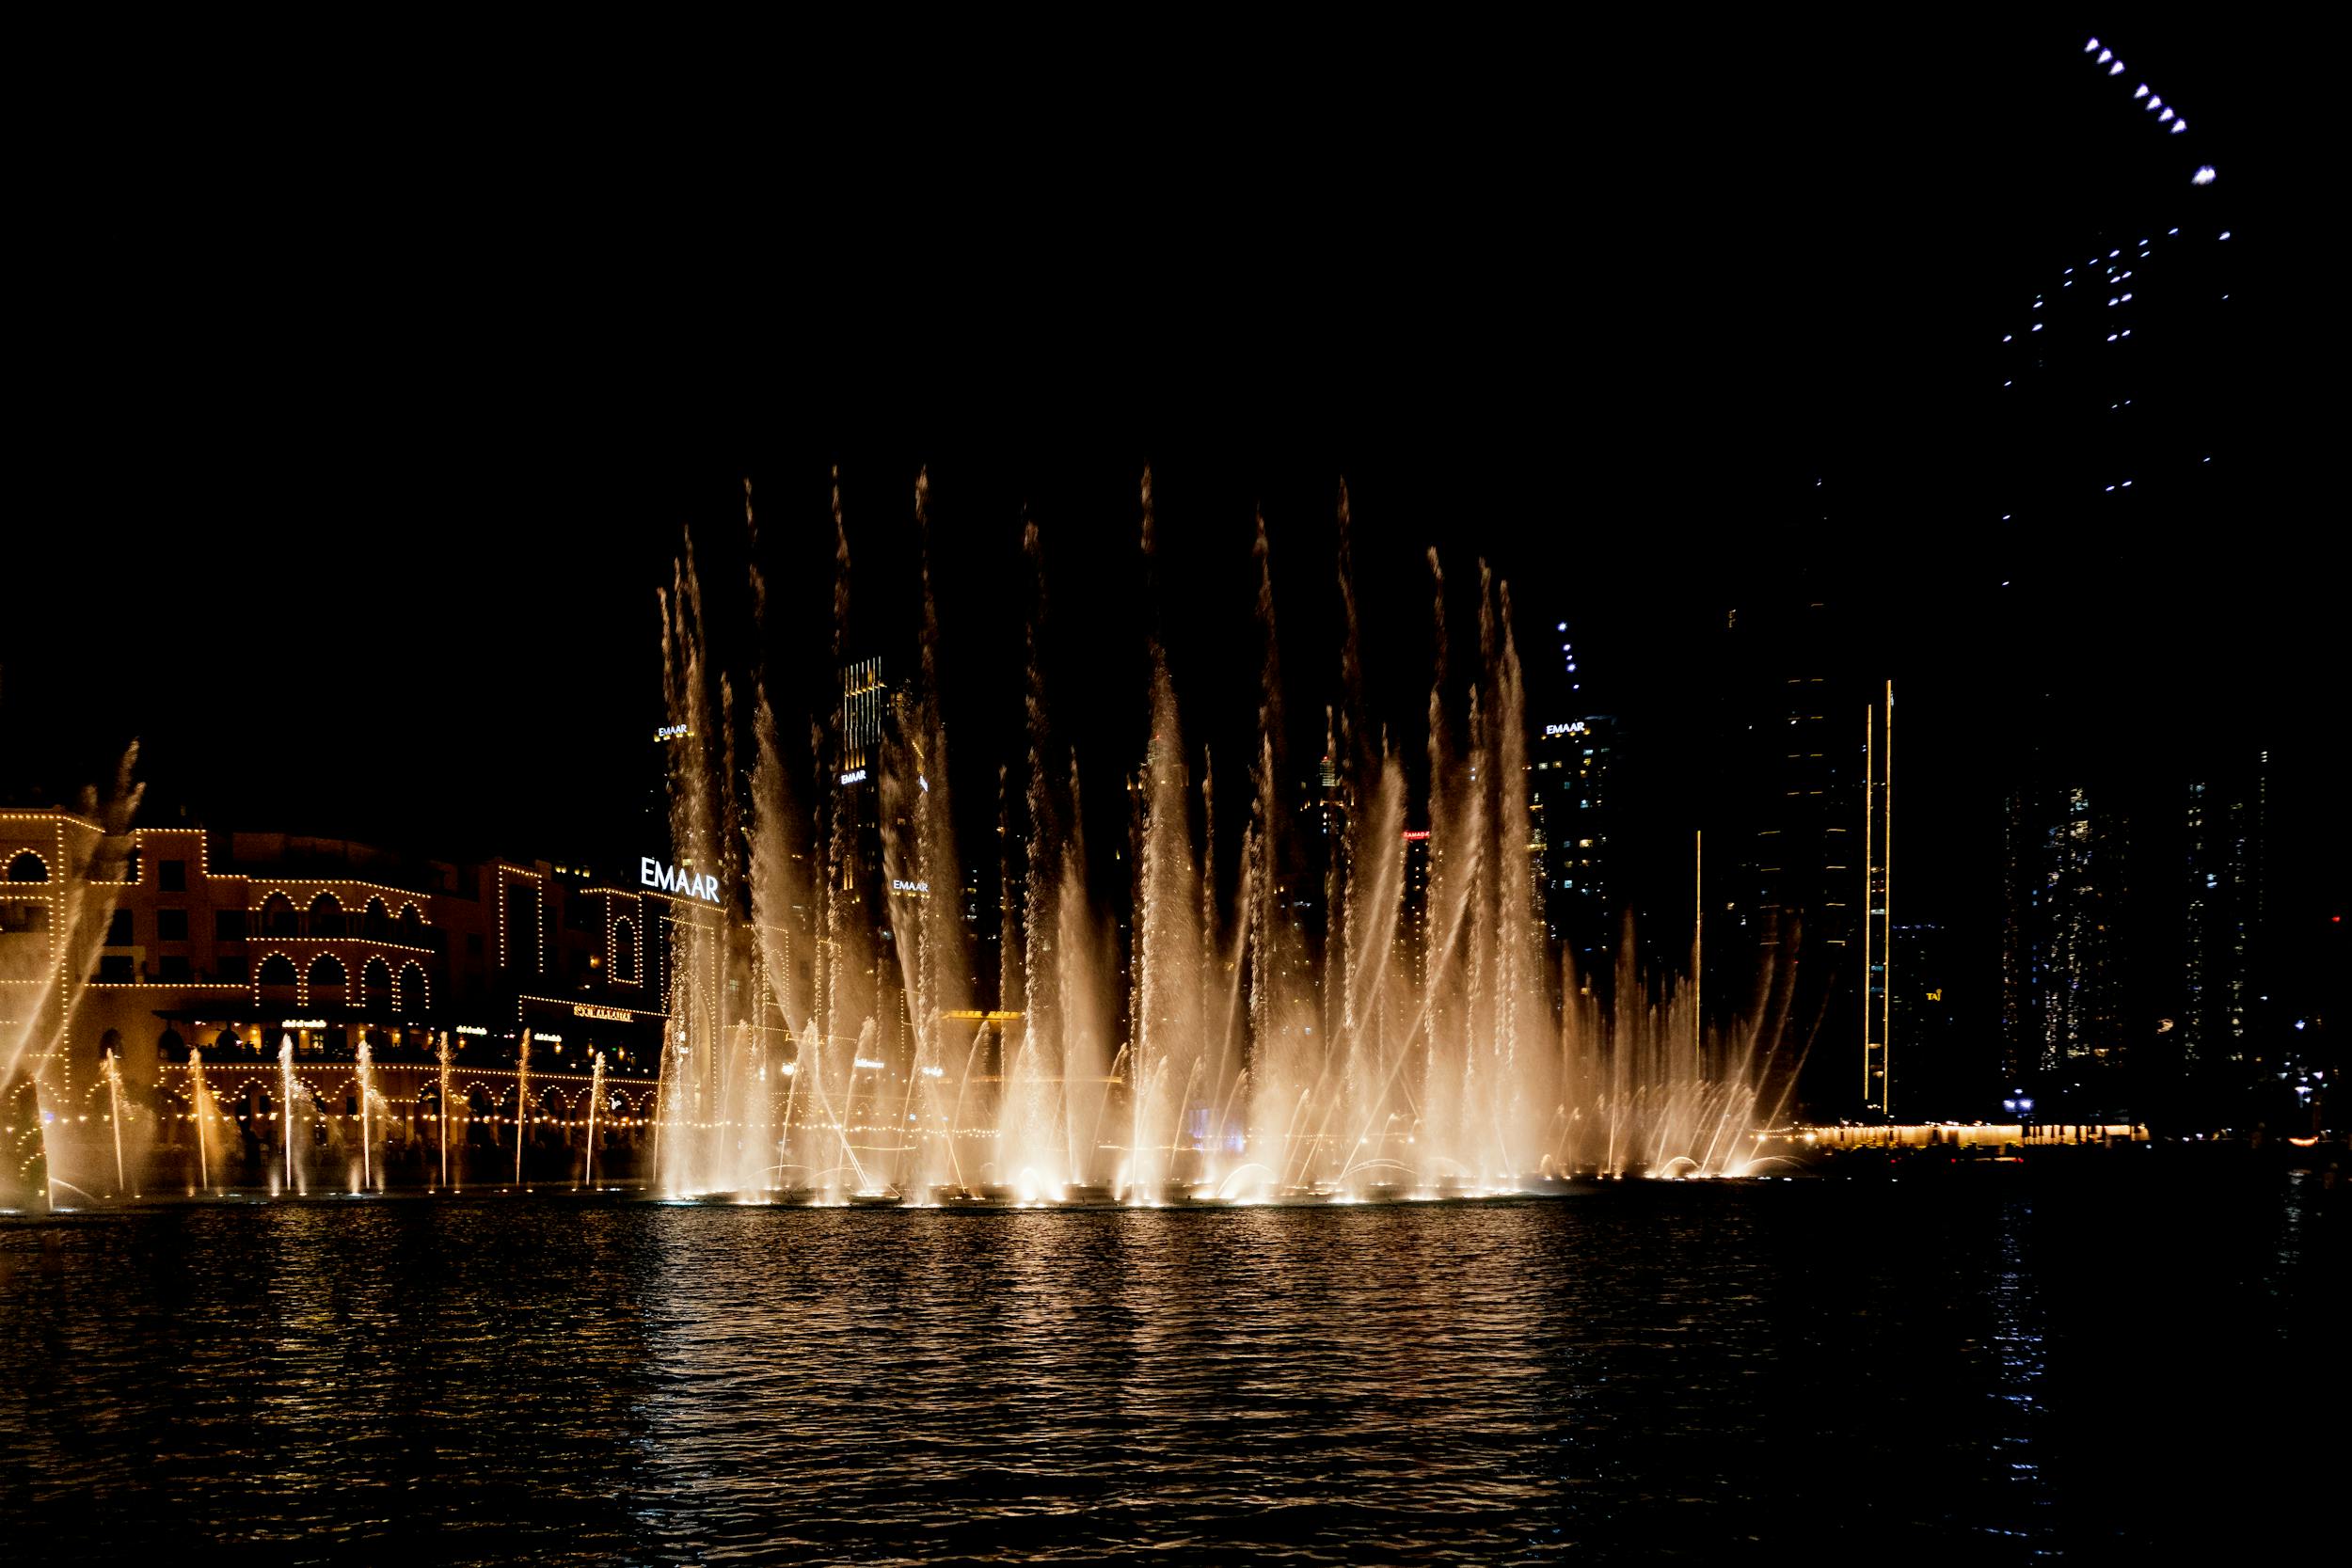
1650,1372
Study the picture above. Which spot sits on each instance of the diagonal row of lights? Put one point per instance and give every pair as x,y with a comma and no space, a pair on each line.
2149,101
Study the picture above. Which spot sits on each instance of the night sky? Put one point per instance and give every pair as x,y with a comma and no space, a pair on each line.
359,452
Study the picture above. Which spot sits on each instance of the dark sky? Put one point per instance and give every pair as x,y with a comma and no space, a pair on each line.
370,415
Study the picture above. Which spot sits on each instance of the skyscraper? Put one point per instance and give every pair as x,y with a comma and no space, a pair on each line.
2221,908
1796,759
2123,413
2062,1019
2123,396
1572,766
1877,940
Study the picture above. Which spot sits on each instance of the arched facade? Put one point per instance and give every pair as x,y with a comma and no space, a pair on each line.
277,979
328,980
375,982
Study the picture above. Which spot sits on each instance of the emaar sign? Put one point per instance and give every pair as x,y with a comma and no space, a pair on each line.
669,879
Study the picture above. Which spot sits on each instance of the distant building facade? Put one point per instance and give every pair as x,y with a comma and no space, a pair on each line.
167,940
1574,776
2221,919
2062,978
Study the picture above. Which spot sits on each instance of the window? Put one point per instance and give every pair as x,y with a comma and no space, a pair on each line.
28,867
118,930
171,925
228,924
172,967
115,969
230,970
173,876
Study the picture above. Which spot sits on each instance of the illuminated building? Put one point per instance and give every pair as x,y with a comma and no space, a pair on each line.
1413,928
2116,365
865,705
2119,372
1573,765
1806,762
225,941
2221,907
1878,938
2061,1007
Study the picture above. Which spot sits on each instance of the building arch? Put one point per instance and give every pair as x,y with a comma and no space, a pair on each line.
375,921
624,950
327,978
28,866
326,915
375,982
415,994
277,916
277,972
169,1046
110,1043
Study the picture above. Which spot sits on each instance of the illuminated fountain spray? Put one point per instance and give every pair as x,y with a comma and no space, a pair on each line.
443,1055
1415,1037
34,1076
365,1072
522,1102
114,1117
286,1105
595,1104
200,1111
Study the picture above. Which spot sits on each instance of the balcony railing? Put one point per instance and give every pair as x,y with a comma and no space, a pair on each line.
344,928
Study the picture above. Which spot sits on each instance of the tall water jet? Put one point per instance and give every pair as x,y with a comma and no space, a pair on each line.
1367,1007
37,1068
522,1102
200,1112
442,1054
286,1107
595,1104
365,1072
114,1115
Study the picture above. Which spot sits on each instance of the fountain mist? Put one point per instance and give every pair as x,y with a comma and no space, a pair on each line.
1408,1034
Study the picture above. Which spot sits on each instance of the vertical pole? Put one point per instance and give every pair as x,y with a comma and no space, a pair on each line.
1869,856
1886,914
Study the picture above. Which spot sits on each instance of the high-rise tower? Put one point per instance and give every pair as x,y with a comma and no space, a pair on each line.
1877,937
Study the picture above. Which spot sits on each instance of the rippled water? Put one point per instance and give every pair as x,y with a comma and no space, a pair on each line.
1990,1370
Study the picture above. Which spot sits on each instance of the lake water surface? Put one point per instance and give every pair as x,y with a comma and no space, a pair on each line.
1989,1370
